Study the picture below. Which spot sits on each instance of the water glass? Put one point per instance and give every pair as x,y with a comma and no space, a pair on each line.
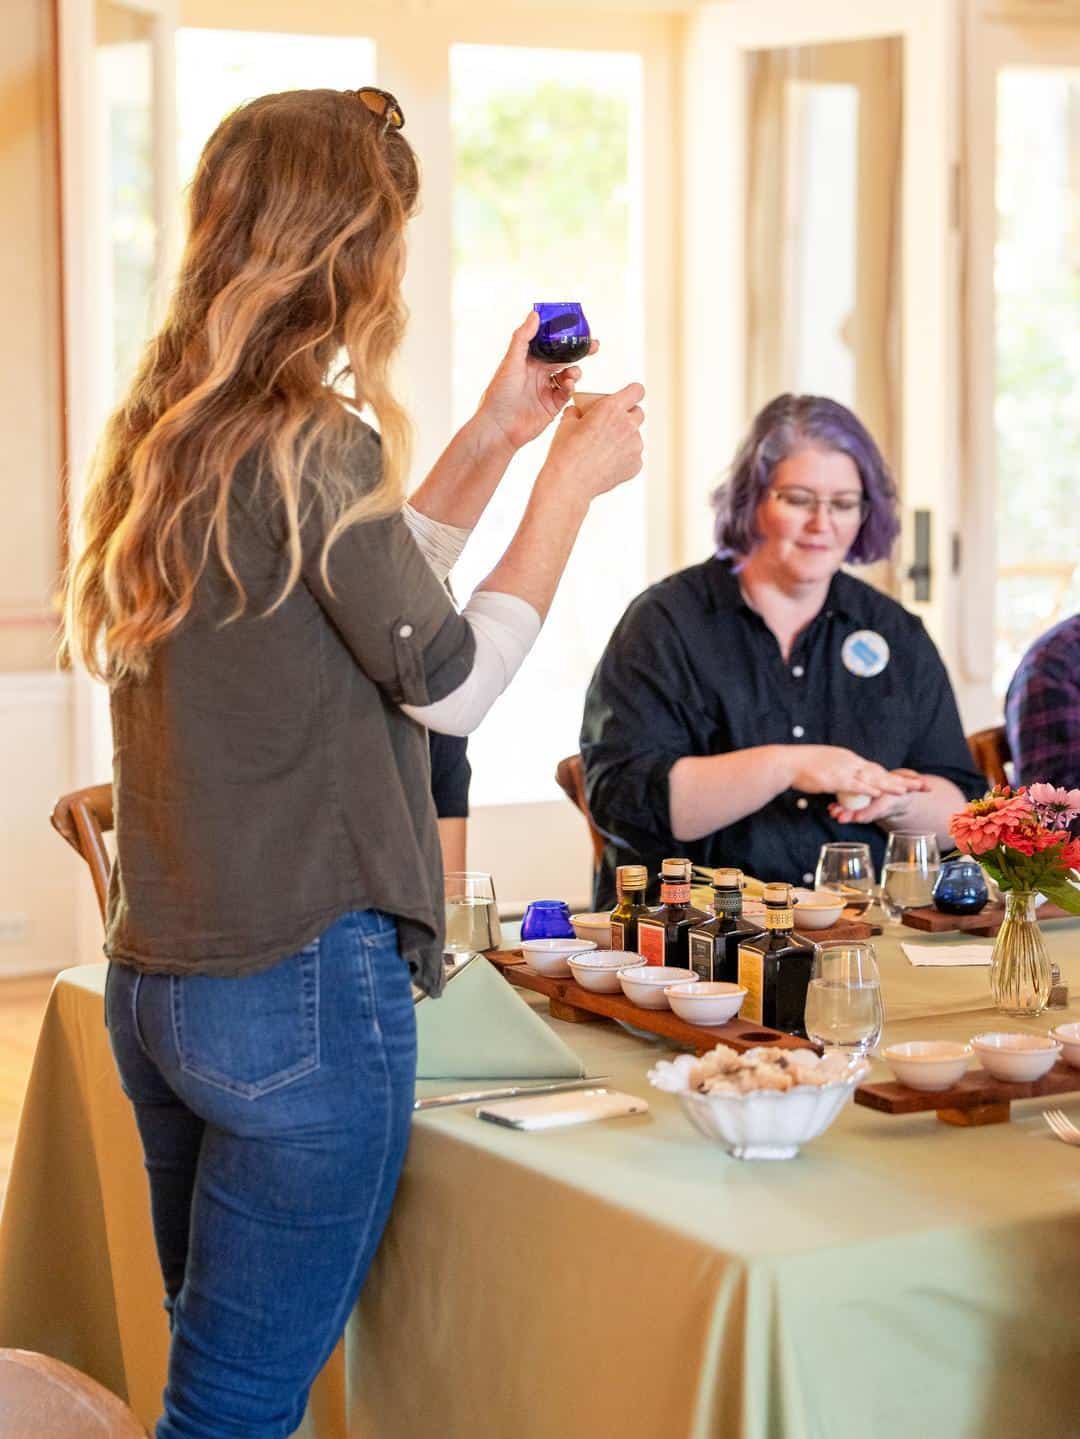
849,869
844,1009
472,914
912,865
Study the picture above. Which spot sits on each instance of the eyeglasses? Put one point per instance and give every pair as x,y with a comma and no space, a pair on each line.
838,507
382,104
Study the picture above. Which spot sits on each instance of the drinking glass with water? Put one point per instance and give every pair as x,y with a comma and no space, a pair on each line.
844,1009
848,869
472,915
912,865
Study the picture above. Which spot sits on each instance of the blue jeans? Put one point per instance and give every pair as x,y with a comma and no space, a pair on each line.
274,1113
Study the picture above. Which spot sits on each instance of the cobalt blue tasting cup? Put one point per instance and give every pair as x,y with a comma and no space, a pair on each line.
563,336
547,919
960,888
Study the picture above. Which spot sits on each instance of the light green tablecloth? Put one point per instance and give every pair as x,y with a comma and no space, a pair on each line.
898,1278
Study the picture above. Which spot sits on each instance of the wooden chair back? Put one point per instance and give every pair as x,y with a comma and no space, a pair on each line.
46,1398
570,777
990,751
83,818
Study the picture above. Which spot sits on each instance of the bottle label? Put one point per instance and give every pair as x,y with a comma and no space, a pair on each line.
752,979
727,902
618,934
701,955
779,919
650,941
672,892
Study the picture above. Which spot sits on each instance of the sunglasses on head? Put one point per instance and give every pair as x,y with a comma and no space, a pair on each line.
383,105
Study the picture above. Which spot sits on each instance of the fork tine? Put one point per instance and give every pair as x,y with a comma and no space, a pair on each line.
1062,1126
1069,1128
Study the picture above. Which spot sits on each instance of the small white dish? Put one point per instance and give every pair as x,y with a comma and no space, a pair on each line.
817,908
551,957
928,1063
1018,1058
709,1001
645,983
1069,1037
596,927
598,969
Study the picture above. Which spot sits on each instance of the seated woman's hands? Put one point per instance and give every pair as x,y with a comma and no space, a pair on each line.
525,394
831,769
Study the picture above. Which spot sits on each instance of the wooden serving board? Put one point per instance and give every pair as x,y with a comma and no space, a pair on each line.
987,922
976,1098
567,1000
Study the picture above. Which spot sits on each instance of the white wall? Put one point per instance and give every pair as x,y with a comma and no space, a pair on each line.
39,874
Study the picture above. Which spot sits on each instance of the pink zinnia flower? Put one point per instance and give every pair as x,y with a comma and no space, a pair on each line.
1055,807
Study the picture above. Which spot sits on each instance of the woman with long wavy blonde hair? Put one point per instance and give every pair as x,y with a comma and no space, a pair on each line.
271,619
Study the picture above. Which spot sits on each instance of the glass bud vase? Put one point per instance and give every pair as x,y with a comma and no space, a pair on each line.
1020,967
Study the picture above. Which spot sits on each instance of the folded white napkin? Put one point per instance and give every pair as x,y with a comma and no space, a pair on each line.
955,954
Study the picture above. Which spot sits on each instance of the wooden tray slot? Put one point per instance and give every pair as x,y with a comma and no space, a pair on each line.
976,1098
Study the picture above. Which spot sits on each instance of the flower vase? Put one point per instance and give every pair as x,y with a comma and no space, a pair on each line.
1020,967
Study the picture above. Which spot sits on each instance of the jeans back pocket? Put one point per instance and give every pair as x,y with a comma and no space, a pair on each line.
249,1034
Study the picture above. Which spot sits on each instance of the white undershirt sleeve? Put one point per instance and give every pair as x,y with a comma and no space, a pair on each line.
505,628
441,545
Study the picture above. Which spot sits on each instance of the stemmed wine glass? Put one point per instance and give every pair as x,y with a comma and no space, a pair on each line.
844,1009
472,915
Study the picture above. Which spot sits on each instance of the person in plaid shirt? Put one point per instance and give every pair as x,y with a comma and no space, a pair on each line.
1042,709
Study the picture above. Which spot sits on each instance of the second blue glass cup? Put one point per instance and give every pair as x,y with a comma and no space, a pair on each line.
961,887
547,919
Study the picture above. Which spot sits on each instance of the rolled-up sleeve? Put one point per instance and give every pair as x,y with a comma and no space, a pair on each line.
636,727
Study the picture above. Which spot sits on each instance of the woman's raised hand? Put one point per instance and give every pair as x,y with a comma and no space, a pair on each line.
602,449
525,394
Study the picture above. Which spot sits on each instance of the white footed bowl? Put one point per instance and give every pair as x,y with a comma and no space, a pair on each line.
1019,1058
710,1001
645,983
598,969
1068,1036
551,957
766,1123
928,1063
596,927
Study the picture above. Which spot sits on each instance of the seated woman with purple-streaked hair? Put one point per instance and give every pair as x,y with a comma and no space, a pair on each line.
749,709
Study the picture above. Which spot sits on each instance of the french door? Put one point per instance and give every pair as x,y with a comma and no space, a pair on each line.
821,247
1020,525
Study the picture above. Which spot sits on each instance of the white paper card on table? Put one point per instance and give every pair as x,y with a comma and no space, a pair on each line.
552,1111
955,955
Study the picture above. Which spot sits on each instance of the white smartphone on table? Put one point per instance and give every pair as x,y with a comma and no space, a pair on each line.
551,1111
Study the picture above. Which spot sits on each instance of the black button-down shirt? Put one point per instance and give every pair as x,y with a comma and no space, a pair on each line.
692,670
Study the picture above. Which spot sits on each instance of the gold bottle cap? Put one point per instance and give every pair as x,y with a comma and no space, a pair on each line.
777,894
632,876
727,879
678,869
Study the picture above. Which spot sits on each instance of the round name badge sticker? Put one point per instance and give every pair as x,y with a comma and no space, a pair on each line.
865,653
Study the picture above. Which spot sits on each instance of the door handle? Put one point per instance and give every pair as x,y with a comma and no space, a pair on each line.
921,571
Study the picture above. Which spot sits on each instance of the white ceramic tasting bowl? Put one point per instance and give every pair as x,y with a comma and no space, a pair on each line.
710,1001
596,927
1019,1058
1069,1037
817,908
645,983
928,1063
598,969
551,957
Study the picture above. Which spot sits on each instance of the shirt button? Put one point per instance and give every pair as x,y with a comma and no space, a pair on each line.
802,802
797,671
808,879
797,731
405,631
